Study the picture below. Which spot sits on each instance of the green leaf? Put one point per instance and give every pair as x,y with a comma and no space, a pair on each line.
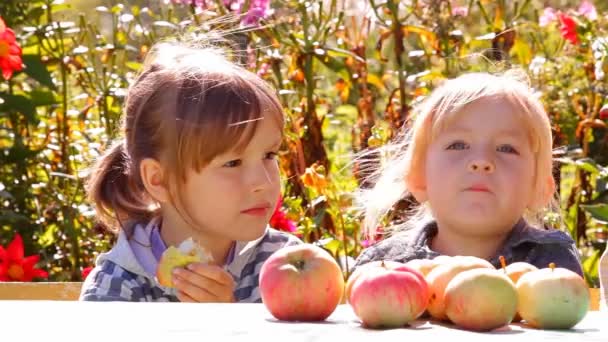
522,50
17,154
590,266
333,246
35,13
336,52
43,98
597,211
331,63
347,110
22,104
38,71
588,165
11,217
135,66
602,198
48,237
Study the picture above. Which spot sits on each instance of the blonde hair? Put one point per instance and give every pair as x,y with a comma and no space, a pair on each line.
188,104
404,158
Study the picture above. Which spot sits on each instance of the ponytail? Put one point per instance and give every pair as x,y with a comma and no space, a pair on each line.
116,192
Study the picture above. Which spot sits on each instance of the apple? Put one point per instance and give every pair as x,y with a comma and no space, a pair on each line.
361,269
389,297
480,299
517,269
514,271
441,275
424,266
301,283
552,298
442,259
186,253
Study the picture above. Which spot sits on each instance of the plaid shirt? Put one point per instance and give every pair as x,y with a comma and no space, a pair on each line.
524,243
118,276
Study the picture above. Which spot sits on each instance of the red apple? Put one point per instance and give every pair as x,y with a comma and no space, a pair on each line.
301,283
361,270
389,296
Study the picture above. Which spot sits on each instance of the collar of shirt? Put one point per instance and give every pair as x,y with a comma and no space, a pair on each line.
521,233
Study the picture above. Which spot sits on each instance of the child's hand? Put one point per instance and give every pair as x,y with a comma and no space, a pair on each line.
204,283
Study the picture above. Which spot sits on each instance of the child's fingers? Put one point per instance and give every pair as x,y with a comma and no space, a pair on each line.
194,292
184,298
212,272
221,291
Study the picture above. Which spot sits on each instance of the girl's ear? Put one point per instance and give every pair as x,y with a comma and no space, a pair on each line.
153,178
416,185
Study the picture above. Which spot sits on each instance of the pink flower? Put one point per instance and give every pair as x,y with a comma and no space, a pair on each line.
588,10
279,219
460,11
263,70
197,3
377,237
258,9
549,15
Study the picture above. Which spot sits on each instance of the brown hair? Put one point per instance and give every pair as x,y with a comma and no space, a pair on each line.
188,104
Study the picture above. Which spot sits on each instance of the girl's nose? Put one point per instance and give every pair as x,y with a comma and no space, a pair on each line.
481,166
261,179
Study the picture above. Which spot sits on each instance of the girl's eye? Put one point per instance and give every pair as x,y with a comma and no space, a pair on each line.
507,149
271,155
459,145
233,163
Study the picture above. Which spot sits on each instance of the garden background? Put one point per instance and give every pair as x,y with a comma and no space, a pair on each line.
347,72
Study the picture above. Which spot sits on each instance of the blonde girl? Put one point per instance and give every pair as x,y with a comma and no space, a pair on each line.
478,159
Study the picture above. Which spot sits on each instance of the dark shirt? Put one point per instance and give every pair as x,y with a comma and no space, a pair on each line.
525,243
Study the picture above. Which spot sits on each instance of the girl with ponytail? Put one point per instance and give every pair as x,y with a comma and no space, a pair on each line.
196,158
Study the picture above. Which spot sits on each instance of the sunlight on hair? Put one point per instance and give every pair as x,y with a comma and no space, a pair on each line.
403,158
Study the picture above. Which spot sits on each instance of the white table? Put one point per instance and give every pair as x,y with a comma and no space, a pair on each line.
177,322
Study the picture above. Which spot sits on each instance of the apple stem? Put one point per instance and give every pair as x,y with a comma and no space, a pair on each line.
503,263
299,264
382,264
552,266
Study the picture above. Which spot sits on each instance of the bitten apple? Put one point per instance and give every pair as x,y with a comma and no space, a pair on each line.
552,298
387,297
186,253
301,283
